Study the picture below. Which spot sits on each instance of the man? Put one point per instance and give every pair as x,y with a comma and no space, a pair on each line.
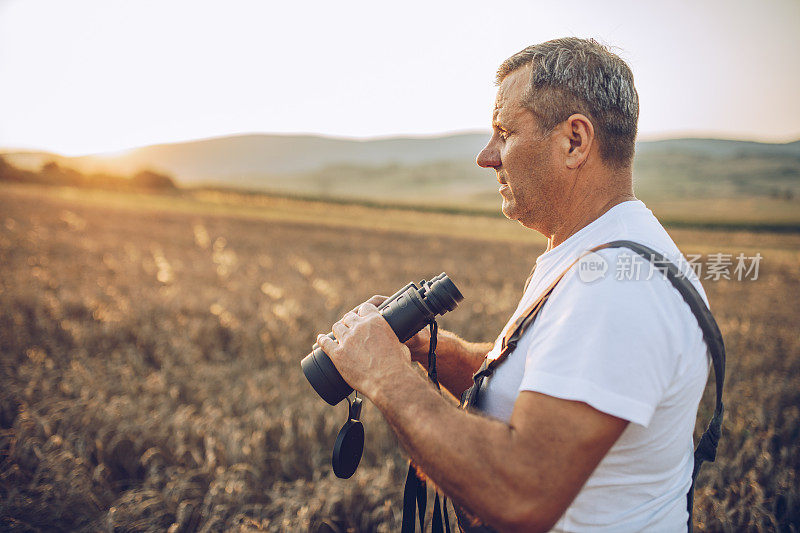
588,421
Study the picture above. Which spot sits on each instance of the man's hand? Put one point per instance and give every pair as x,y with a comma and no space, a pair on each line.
418,344
366,351
456,361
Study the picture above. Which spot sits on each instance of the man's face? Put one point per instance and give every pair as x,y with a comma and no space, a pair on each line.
521,155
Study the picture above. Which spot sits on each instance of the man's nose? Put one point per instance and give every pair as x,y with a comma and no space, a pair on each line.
489,157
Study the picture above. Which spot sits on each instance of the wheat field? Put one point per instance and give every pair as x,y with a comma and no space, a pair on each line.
150,378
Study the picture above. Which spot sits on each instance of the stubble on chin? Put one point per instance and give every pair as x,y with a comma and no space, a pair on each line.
507,208
507,205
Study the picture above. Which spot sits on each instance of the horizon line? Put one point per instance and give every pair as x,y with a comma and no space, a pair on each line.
649,137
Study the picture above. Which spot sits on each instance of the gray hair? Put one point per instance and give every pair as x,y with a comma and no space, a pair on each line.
573,75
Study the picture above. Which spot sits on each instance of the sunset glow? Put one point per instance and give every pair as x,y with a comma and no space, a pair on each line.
95,76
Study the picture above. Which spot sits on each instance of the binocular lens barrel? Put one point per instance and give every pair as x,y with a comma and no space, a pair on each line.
407,311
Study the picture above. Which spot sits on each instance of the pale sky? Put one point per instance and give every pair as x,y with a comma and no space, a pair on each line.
89,76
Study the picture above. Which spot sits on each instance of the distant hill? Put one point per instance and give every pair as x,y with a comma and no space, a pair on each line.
434,169
718,148
227,159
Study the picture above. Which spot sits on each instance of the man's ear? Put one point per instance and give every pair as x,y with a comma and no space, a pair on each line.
580,133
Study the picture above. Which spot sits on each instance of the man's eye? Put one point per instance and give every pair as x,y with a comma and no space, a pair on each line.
500,132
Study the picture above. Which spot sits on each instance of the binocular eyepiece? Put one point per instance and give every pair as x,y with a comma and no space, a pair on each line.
407,311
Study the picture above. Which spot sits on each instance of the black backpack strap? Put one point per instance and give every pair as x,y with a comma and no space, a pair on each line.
707,446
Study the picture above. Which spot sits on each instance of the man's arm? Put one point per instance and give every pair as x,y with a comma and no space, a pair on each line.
456,359
519,476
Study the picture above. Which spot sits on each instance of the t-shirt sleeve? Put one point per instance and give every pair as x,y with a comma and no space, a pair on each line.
606,343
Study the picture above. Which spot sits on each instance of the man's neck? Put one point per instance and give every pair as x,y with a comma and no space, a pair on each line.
572,225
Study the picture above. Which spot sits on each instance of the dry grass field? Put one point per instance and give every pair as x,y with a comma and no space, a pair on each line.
150,380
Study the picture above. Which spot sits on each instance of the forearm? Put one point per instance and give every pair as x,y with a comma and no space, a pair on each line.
467,455
518,476
456,360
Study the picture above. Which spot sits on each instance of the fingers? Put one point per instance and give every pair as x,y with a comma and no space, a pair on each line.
349,319
367,309
339,330
327,344
375,300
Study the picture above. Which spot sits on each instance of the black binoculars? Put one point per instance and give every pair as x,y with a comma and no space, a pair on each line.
407,311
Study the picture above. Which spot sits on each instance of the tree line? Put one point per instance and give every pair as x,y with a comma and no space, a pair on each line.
51,173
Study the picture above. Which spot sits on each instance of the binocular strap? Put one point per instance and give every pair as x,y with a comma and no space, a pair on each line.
706,449
415,492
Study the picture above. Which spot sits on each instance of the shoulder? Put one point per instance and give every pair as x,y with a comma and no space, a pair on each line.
611,341
620,280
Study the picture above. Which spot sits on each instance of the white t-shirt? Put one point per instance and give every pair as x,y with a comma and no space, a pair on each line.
626,345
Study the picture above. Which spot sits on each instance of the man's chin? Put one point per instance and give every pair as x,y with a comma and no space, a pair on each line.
522,218
508,211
